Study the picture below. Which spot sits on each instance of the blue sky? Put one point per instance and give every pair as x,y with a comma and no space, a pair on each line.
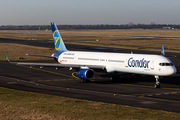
91,12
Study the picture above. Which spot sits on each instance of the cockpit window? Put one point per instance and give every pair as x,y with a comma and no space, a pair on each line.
166,64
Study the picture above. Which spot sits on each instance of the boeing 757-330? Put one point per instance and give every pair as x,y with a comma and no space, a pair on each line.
86,63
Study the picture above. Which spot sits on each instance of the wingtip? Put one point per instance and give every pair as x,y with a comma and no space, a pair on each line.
6,57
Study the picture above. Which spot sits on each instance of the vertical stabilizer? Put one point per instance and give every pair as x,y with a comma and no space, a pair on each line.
58,42
162,50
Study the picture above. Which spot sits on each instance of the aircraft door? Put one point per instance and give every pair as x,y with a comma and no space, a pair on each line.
126,62
152,65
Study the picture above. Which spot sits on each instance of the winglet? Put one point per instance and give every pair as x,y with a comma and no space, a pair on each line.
6,57
162,50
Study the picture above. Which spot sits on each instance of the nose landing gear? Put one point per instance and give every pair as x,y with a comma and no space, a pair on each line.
157,84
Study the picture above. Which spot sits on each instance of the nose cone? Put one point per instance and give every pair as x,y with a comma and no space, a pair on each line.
175,70
172,70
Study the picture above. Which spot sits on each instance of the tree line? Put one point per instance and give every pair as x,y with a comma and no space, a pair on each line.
74,27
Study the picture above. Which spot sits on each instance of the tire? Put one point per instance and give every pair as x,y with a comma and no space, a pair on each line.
157,85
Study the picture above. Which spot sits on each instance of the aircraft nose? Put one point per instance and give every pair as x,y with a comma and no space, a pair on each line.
175,70
172,70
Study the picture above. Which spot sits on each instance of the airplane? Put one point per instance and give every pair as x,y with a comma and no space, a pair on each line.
86,63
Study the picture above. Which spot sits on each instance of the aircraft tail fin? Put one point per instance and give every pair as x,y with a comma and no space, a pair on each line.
58,42
162,50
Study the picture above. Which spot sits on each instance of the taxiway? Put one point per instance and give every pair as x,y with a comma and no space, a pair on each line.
129,90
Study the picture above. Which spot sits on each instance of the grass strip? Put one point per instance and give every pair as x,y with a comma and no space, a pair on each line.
17,104
169,44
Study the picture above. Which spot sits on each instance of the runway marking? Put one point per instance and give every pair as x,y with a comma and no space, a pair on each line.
149,95
171,88
92,80
173,56
159,94
142,96
56,80
50,80
74,75
11,82
137,85
46,71
149,86
148,102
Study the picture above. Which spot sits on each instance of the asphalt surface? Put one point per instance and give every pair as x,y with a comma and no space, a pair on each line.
129,90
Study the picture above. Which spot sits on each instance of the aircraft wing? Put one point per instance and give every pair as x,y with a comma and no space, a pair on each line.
58,65
55,64
41,56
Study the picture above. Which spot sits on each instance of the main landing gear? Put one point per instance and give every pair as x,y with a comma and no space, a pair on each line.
86,81
157,84
114,77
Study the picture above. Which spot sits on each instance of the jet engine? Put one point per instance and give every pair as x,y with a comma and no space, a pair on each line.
85,74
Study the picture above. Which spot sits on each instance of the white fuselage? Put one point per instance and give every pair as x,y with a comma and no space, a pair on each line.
121,62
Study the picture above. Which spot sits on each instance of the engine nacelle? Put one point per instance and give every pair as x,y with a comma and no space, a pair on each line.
85,74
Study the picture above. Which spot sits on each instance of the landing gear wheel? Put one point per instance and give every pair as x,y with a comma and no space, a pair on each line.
115,78
157,85
86,81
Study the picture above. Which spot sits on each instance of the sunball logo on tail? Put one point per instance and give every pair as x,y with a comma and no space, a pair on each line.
57,40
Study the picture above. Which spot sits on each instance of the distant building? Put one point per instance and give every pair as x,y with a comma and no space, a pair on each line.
166,28
152,23
131,23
